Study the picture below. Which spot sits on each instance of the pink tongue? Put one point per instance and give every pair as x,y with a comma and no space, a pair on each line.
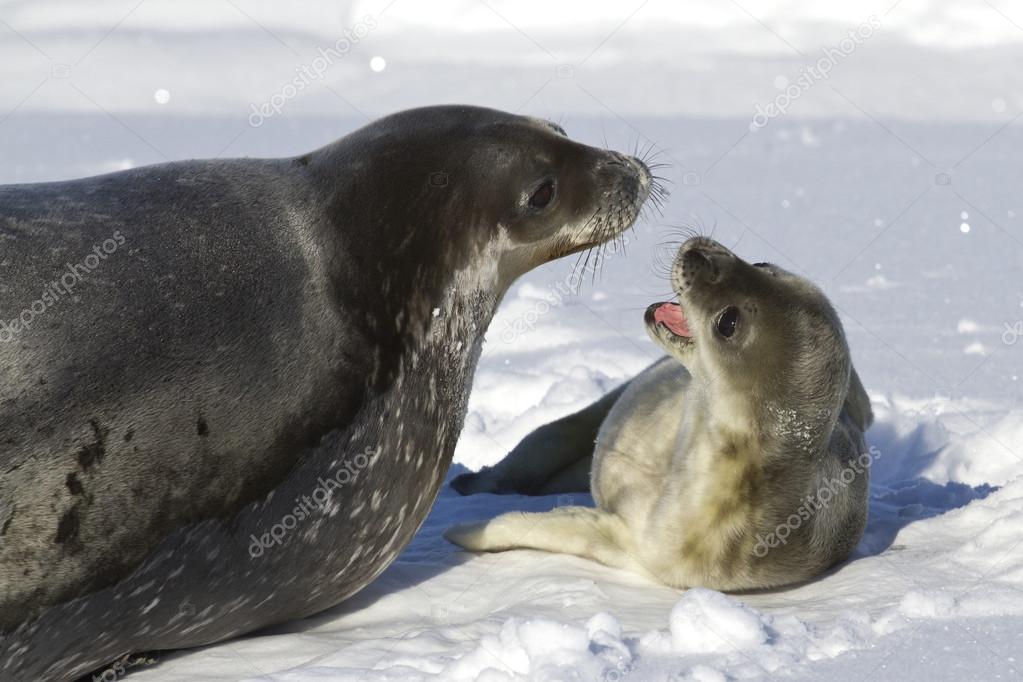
673,318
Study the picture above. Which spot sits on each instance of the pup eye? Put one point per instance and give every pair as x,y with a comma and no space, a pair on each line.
543,196
727,321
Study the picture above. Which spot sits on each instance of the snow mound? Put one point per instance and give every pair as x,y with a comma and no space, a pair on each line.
705,621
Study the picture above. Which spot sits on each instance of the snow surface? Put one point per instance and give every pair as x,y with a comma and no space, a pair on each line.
894,184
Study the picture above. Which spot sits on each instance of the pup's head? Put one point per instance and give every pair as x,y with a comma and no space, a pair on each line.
754,328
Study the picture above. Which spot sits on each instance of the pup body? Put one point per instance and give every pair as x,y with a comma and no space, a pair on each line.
738,462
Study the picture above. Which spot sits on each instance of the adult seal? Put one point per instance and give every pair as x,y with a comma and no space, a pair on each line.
738,462
235,399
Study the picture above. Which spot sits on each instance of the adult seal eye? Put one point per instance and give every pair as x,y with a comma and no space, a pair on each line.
543,195
727,321
460,256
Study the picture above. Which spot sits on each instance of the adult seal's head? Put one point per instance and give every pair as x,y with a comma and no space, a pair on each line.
482,196
464,182
252,402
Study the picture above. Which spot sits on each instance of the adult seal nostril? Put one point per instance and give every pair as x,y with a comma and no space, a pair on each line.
643,174
618,159
250,406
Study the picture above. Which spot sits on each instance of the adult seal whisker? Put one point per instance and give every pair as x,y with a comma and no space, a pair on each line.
245,410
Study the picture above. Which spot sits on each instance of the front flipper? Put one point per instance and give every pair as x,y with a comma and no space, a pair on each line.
555,458
583,531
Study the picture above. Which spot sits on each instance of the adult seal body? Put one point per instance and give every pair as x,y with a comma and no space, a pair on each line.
240,407
738,462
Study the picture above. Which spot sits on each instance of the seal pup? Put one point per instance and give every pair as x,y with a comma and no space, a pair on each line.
237,396
737,462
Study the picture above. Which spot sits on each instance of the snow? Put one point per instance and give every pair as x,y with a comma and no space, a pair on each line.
705,621
893,183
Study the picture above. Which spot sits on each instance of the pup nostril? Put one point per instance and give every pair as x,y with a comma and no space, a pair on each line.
695,259
698,265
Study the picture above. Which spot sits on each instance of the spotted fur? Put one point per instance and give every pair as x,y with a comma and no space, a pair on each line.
709,451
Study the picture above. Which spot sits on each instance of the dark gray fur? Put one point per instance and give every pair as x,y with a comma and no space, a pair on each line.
262,324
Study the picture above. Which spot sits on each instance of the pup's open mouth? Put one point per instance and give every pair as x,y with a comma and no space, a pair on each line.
667,324
673,317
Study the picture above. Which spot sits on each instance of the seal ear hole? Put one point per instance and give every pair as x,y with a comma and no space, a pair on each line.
727,322
542,196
